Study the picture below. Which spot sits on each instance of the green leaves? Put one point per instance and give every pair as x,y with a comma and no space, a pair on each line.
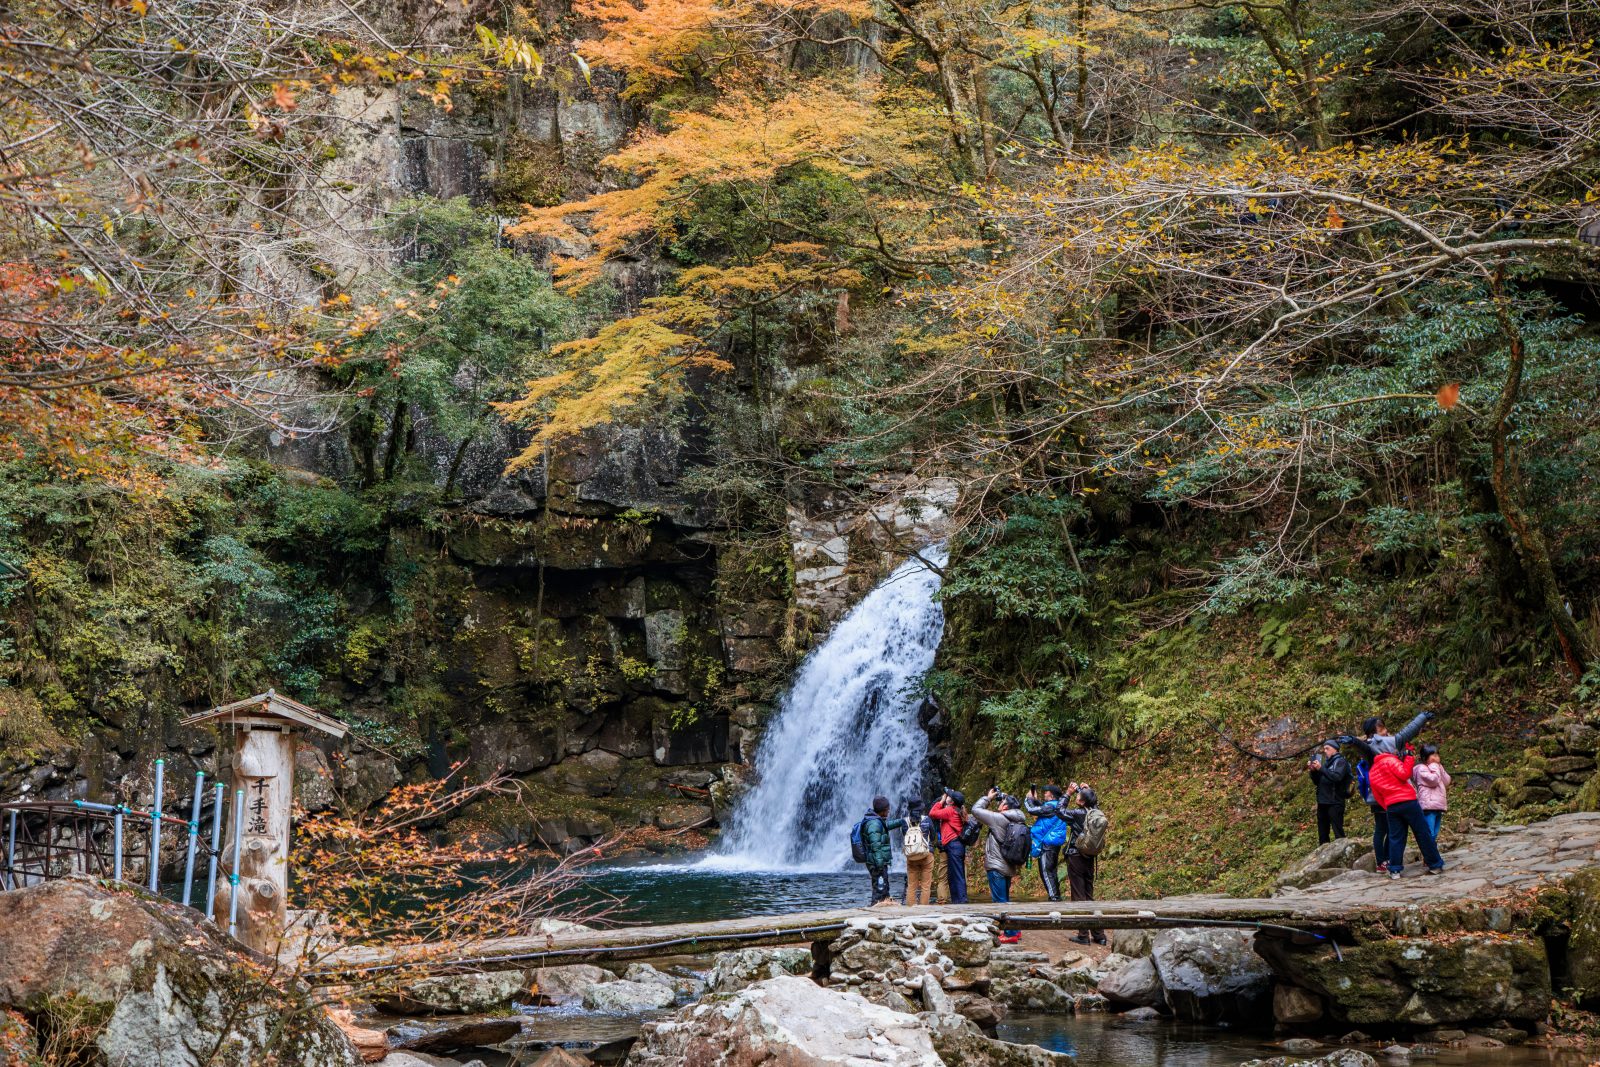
1021,566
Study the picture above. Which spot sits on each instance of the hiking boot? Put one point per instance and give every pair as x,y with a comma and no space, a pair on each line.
1082,939
1100,941
1435,870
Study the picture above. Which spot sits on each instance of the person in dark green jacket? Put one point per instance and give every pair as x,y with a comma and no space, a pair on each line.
875,829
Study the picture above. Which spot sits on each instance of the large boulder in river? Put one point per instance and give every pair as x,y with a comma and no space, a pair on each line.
732,971
1134,984
1211,974
455,994
552,985
623,997
797,1023
137,982
1421,981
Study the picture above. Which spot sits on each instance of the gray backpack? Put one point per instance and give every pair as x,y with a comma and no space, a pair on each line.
1093,837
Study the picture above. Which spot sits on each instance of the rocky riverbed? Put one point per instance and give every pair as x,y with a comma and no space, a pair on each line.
1469,963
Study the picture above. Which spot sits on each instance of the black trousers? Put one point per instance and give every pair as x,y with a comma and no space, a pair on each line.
880,882
1330,822
1080,879
1050,870
1380,835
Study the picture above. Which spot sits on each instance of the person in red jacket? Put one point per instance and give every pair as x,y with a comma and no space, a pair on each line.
1390,779
946,814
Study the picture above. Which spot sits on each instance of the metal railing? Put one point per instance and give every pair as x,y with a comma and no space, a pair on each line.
48,839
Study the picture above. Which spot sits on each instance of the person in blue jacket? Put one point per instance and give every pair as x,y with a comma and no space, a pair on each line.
1049,835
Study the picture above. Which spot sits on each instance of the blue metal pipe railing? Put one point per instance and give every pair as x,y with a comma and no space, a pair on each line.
117,815
216,849
155,830
194,834
233,879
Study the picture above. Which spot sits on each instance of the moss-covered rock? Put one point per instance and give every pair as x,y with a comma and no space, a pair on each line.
1582,899
1420,981
124,980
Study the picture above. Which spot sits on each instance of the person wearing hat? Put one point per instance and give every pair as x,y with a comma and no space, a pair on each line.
1331,774
946,814
1080,864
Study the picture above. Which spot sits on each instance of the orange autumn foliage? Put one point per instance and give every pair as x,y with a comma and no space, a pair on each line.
657,41
744,139
860,140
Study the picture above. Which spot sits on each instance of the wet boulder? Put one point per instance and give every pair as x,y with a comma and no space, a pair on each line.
455,994
1211,974
451,1037
732,971
138,982
623,997
681,985
552,985
1135,984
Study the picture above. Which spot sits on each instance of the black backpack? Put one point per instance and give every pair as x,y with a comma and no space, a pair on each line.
1016,844
969,832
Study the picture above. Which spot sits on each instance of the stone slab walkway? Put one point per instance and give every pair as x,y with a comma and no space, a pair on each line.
1500,859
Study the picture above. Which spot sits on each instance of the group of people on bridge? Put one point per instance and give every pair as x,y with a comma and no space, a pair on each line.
1066,824
1405,790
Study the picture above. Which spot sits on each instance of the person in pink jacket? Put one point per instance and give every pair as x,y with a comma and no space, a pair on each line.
1432,782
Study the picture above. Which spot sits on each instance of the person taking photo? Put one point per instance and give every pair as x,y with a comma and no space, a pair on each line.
1331,773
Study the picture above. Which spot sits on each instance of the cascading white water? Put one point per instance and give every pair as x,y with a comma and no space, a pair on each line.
846,731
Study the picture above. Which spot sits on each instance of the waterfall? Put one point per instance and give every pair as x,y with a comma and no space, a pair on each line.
846,730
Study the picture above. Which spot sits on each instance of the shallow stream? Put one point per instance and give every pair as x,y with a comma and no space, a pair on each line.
1096,1041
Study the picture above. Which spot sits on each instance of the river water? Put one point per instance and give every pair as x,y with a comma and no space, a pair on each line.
679,894
1096,1041
1110,1041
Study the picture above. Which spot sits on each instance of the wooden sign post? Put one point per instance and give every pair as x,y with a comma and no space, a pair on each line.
264,732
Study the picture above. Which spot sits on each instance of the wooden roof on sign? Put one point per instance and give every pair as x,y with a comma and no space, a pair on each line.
268,709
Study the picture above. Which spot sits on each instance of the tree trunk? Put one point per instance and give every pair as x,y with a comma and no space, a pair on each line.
1506,478
397,437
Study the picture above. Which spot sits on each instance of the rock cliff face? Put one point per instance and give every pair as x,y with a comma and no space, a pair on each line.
568,627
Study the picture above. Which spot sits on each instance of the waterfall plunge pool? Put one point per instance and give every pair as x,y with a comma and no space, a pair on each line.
846,730
695,893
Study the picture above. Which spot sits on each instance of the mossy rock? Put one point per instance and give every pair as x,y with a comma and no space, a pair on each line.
1582,900
1418,981
131,981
